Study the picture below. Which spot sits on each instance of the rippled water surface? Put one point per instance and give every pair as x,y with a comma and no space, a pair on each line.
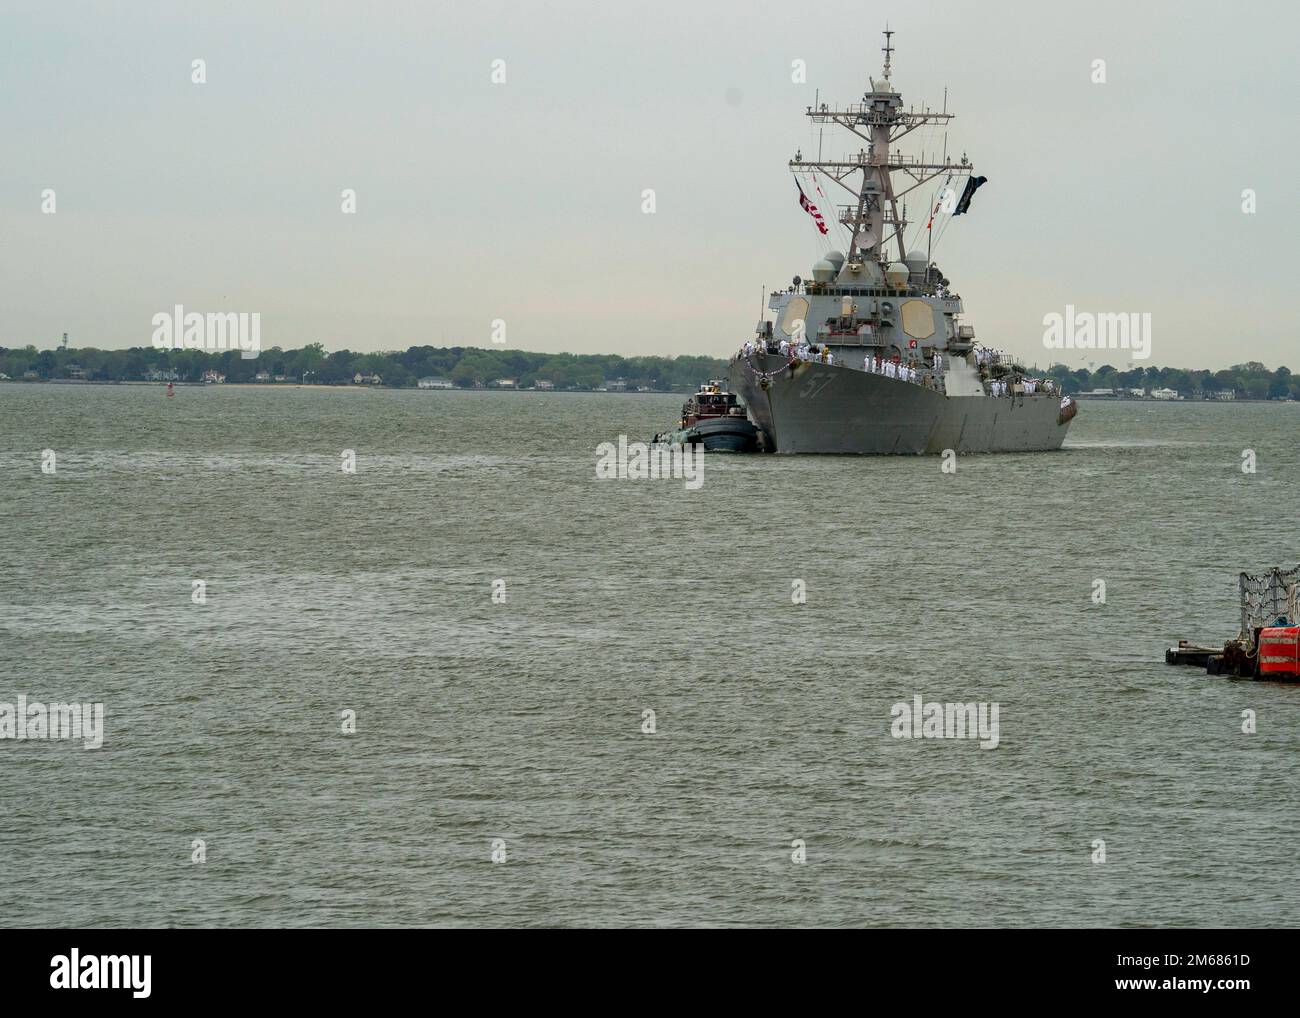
522,721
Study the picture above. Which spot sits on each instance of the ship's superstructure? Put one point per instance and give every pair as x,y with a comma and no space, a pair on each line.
869,355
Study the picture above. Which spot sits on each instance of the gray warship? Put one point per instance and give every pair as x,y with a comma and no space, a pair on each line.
869,356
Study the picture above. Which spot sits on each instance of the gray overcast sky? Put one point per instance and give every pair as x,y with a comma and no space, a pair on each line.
522,201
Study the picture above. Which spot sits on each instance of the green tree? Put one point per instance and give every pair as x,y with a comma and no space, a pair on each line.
466,375
1177,379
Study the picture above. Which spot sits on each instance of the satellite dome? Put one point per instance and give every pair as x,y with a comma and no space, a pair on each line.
835,258
917,257
897,273
823,271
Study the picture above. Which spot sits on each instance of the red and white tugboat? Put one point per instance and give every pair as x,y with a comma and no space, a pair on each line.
714,418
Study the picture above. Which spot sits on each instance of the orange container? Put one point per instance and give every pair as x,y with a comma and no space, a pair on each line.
1279,651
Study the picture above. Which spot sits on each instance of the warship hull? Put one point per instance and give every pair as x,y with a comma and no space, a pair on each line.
830,408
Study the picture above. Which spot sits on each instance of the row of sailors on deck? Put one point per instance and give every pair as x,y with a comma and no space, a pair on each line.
1028,385
806,351
890,369
983,355
803,350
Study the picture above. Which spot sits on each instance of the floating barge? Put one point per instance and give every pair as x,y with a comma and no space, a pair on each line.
1268,644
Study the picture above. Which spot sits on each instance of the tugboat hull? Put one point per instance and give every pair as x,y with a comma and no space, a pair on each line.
725,434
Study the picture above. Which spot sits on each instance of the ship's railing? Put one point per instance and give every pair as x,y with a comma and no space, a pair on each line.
925,377
849,339
902,159
862,111
813,288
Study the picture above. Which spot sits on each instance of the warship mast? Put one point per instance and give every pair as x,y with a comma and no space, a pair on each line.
869,356
880,121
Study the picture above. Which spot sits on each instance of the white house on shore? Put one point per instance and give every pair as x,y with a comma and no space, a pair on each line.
430,382
544,385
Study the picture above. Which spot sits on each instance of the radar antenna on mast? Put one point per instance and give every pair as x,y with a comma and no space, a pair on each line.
874,218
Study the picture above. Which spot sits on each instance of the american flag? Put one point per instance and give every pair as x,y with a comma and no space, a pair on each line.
810,208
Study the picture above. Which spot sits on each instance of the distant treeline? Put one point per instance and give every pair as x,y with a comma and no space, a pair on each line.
471,367
466,367
1251,380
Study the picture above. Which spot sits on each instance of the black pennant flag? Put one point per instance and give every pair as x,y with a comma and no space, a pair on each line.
973,184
